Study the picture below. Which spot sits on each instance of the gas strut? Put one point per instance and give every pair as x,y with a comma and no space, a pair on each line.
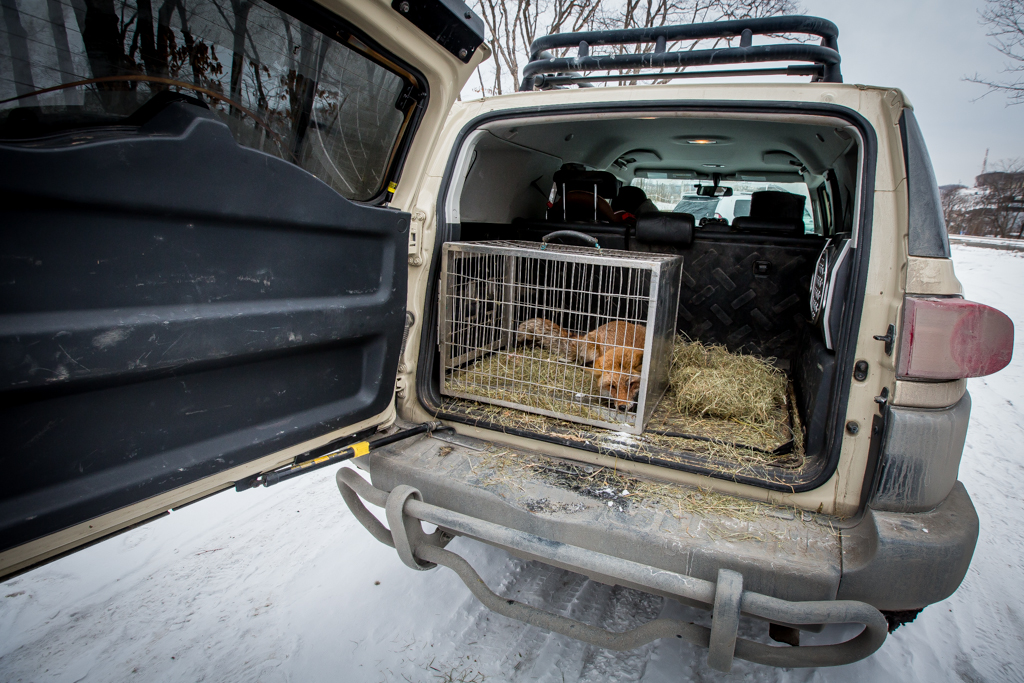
341,455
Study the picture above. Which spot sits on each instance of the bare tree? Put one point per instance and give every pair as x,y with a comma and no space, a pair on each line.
956,209
55,13
513,26
994,207
1005,198
1005,22
18,40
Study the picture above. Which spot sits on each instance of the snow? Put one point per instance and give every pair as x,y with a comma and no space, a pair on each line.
282,584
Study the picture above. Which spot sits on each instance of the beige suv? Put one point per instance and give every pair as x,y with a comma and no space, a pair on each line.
226,265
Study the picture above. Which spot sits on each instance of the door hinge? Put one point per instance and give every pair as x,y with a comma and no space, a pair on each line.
416,229
401,388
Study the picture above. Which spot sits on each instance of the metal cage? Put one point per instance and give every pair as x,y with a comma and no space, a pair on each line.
575,333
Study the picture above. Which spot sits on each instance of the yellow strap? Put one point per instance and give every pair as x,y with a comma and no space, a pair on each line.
361,448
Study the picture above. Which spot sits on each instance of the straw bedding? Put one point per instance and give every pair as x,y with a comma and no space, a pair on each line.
708,380
722,411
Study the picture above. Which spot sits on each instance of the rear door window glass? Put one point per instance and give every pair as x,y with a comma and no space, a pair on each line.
303,90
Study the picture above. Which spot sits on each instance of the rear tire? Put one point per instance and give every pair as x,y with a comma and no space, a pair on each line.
897,618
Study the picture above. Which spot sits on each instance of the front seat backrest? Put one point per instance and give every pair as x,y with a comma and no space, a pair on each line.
773,211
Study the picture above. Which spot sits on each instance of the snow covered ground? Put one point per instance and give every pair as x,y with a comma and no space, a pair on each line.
282,584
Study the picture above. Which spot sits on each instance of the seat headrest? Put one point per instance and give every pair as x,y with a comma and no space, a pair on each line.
576,179
629,199
773,211
674,229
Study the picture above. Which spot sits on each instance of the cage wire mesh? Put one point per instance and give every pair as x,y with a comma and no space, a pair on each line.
575,333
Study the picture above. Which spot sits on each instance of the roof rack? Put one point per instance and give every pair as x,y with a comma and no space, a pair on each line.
545,71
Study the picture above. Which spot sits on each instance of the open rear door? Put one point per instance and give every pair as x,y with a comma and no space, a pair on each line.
200,277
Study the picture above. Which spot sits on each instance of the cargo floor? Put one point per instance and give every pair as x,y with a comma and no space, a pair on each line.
724,448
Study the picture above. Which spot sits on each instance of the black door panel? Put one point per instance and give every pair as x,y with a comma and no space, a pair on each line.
747,293
173,305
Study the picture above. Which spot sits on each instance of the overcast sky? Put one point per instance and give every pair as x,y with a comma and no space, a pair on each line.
925,49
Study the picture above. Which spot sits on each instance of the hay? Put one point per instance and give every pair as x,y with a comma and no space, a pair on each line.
736,403
708,380
532,377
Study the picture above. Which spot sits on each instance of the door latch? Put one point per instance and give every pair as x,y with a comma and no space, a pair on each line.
882,399
889,337
416,229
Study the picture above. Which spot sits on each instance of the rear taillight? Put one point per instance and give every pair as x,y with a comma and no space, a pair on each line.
951,338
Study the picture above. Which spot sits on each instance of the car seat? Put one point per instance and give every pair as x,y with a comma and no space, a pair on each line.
772,211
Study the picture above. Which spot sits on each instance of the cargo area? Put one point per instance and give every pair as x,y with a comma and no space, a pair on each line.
755,213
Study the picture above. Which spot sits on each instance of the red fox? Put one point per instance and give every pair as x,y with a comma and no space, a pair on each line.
618,372
582,348
616,350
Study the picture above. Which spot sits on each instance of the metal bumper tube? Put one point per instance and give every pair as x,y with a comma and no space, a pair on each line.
429,549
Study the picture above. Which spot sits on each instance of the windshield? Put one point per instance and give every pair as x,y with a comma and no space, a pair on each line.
680,196
308,94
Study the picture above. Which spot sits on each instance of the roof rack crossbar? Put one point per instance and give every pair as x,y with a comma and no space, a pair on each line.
543,80
826,54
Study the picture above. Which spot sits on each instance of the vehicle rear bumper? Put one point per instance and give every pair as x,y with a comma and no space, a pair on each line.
780,566
779,552
906,561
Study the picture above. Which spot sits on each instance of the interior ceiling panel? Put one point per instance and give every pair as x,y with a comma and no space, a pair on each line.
738,145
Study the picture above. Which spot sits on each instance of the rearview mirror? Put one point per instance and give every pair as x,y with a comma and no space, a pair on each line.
712,191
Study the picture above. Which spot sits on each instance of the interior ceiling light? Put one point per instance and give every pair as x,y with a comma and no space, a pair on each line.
712,165
702,140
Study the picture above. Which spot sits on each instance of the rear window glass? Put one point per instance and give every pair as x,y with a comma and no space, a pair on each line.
700,207
282,86
680,196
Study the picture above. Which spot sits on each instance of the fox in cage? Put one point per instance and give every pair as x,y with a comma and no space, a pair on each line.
614,351
568,332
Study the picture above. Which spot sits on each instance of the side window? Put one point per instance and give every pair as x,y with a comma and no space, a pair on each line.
295,84
927,225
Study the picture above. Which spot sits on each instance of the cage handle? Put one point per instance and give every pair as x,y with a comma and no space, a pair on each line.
588,240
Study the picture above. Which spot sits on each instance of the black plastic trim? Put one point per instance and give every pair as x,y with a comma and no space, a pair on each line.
927,232
451,23
176,305
428,393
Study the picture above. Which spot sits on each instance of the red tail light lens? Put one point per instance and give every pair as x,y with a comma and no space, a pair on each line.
951,338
